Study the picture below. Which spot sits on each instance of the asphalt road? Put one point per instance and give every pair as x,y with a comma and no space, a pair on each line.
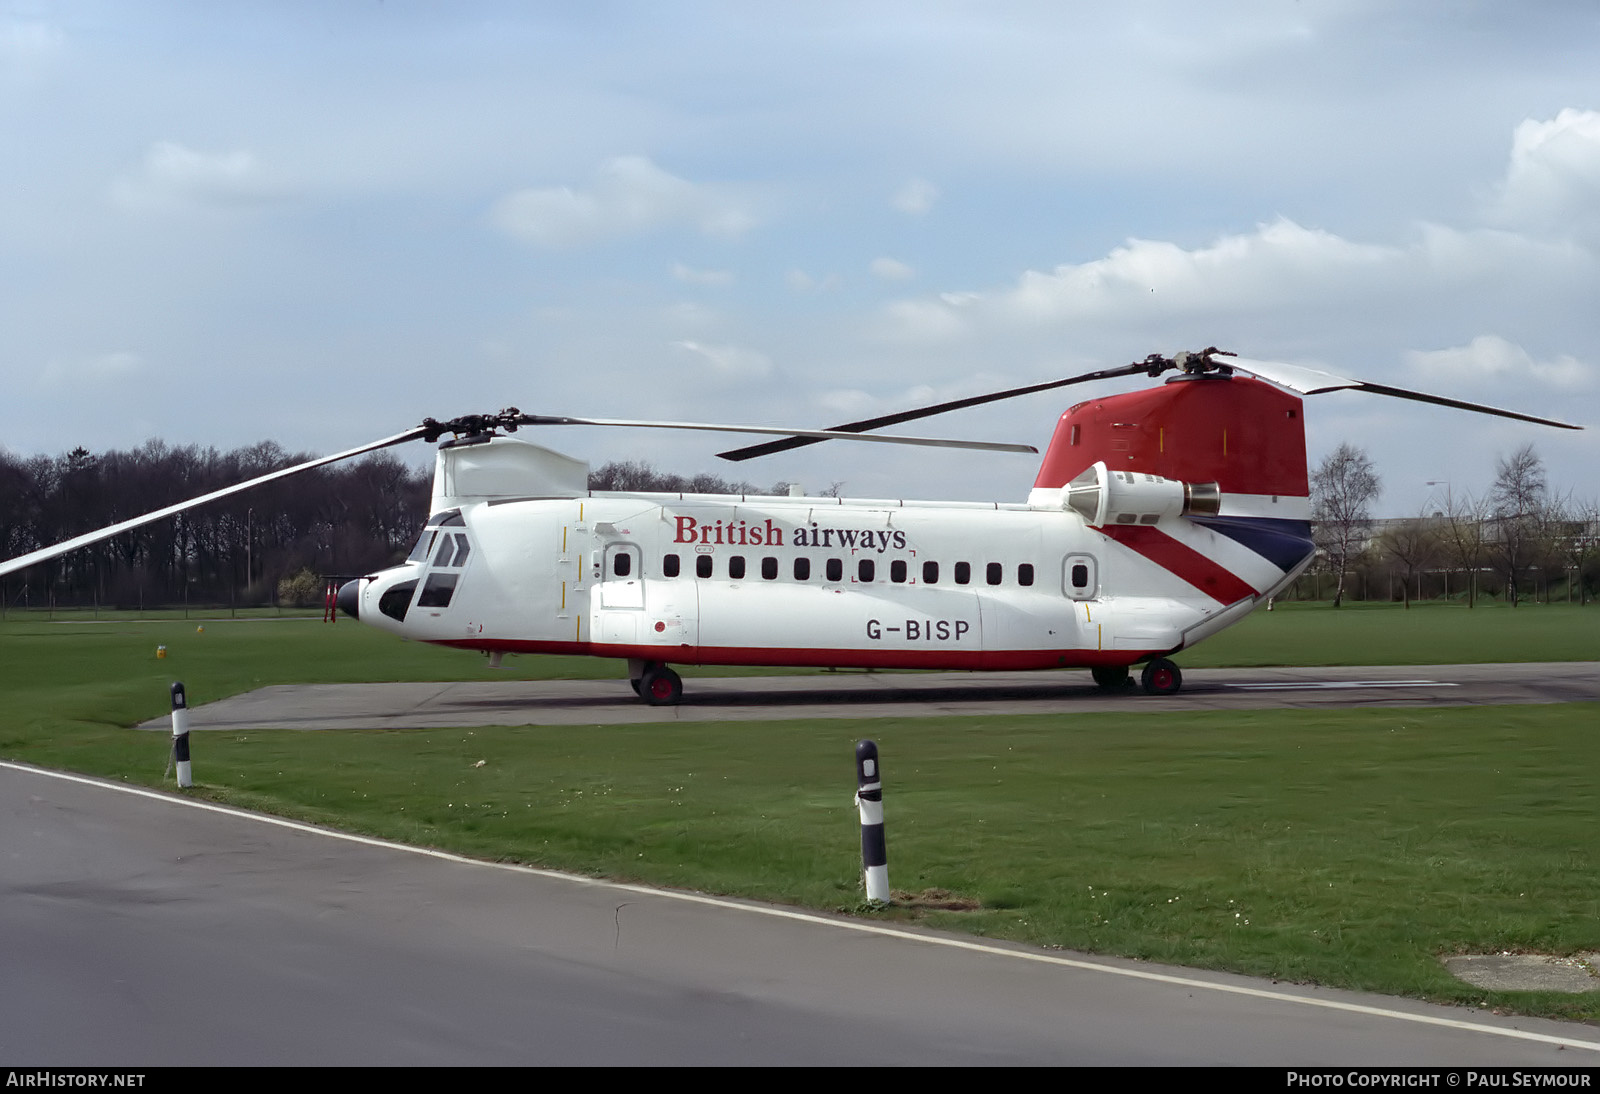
141,929
856,694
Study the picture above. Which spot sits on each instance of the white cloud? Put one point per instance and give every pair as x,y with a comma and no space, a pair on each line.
1552,183
173,176
1277,262
855,402
1489,357
889,269
1281,269
916,197
689,276
691,315
800,282
28,47
730,362
630,196
849,402
105,368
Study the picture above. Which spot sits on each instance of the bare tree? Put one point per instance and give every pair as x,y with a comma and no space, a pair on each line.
331,519
1518,504
1410,545
1342,491
1579,539
637,475
1461,535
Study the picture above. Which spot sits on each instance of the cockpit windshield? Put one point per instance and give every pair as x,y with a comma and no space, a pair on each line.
419,553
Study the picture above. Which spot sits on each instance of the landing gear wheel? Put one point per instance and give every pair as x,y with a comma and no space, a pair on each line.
661,687
636,691
1161,677
1110,678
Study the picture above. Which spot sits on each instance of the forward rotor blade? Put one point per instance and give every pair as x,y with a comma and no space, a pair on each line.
1311,381
44,554
799,438
780,431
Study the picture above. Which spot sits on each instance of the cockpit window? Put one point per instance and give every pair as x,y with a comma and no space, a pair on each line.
394,602
452,551
438,591
419,553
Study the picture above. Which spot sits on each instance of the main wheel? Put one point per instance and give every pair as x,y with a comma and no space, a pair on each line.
1110,678
1161,677
661,687
636,690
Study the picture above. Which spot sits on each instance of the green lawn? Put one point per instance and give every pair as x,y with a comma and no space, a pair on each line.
1432,633
1345,847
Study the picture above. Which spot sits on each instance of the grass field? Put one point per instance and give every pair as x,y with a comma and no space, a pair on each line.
1346,847
1388,634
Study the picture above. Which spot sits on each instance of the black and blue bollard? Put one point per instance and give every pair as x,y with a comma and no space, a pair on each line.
180,736
869,799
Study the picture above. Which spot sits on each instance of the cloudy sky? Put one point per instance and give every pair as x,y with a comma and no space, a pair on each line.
318,222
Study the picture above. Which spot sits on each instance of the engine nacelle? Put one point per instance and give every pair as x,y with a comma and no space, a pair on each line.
1102,496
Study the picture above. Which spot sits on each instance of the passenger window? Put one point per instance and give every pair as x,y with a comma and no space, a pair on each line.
1025,574
702,565
897,570
995,573
669,566
769,568
1078,577
621,564
963,573
835,569
866,570
802,569
930,573
735,566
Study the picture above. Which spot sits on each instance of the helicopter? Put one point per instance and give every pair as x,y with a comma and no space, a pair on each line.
1158,518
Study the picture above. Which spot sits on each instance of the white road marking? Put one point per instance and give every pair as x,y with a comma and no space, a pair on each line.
822,921
1333,685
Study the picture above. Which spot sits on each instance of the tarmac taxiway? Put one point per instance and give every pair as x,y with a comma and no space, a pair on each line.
881,695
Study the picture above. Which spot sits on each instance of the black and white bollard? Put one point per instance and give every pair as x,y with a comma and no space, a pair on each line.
180,735
869,799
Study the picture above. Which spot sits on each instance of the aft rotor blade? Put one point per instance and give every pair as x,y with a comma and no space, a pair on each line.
799,438
781,431
1311,381
44,554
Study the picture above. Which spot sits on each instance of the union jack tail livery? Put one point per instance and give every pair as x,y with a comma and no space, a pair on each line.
1237,448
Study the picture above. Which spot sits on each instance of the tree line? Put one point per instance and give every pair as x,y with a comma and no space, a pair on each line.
271,545
1514,539
344,518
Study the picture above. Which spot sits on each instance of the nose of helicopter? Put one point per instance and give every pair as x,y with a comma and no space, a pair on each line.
349,599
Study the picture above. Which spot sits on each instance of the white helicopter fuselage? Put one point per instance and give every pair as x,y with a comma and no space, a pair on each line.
1158,517
517,558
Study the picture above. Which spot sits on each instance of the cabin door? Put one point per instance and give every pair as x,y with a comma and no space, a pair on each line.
619,602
